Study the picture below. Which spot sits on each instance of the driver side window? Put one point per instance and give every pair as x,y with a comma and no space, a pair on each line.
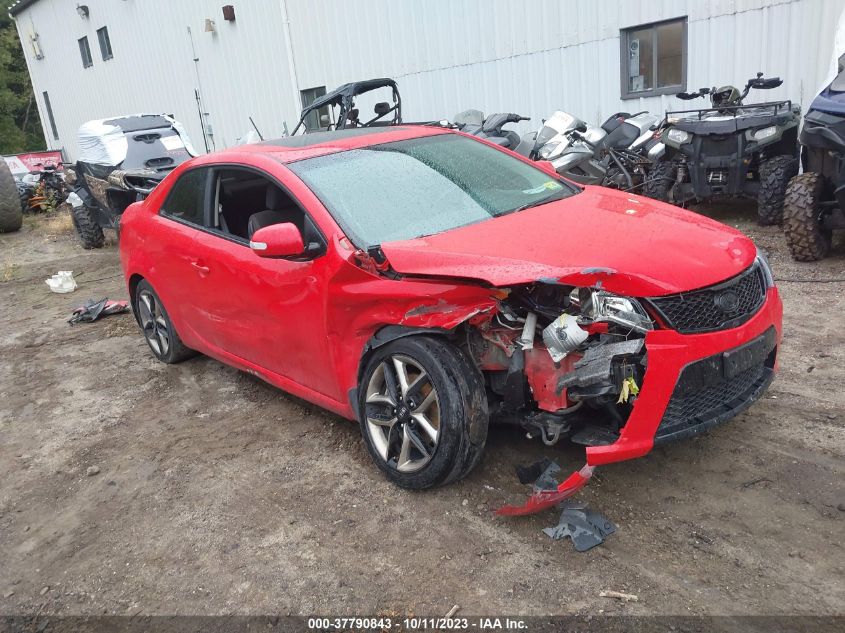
245,201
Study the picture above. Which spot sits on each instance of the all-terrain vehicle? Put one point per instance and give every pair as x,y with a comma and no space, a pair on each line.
337,110
729,149
815,200
120,161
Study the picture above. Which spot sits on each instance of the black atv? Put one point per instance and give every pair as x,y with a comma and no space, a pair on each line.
120,161
729,150
815,200
337,111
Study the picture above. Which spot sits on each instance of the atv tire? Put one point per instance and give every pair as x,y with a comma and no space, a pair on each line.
89,231
807,239
774,178
660,180
11,216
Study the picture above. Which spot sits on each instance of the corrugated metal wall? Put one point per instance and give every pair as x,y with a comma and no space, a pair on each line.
447,55
535,57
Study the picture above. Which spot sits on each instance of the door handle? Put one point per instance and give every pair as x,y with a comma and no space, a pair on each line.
203,270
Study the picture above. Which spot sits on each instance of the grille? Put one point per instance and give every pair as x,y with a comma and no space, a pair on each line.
719,307
693,408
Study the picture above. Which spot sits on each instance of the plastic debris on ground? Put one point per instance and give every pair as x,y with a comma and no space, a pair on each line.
547,492
92,310
62,282
585,527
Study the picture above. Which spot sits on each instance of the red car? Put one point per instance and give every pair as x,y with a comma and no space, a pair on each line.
425,282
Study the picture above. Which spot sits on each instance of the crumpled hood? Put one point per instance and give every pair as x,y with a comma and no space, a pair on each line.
629,244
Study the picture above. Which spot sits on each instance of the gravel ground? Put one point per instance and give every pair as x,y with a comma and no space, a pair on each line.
218,494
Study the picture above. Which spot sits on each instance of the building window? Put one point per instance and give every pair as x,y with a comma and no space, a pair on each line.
314,120
85,51
50,116
654,59
105,43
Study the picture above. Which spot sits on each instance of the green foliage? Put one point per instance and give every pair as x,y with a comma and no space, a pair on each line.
20,128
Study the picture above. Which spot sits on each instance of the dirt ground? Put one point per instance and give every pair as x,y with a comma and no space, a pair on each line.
218,494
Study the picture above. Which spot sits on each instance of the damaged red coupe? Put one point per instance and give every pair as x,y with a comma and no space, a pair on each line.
426,283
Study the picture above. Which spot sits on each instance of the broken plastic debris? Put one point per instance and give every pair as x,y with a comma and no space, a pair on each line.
586,528
546,498
92,310
62,282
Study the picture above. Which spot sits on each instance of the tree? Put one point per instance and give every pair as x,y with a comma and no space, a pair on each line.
20,127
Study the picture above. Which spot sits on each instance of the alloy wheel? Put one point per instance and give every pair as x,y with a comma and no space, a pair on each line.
403,413
154,323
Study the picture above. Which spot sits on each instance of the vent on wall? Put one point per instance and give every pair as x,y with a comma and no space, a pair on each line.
229,13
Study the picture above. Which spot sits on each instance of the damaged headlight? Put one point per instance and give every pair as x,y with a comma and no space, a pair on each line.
598,305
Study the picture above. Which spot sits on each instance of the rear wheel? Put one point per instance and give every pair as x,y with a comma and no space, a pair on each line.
774,178
660,180
11,217
89,231
807,239
423,412
159,332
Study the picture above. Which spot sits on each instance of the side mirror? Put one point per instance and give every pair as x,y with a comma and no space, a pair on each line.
277,240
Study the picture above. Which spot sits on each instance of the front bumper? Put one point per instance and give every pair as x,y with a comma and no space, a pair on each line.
654,419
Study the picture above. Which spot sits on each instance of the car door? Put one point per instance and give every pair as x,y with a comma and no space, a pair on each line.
174,249
268,312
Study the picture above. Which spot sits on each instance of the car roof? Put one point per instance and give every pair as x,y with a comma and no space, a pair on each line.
294,148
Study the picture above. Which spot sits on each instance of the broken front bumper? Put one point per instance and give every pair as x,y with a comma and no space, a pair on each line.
695,381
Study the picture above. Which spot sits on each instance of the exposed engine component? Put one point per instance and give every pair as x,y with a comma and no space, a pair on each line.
562,336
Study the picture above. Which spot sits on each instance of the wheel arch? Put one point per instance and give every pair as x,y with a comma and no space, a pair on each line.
380,338
134,280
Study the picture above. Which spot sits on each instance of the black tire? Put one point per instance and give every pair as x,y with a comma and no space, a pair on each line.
660,180
11,216
807,240
461,407
775,174
162,338
89,231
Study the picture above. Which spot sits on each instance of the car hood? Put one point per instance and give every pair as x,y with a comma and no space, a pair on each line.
623,242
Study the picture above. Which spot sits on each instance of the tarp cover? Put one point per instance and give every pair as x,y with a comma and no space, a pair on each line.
102,141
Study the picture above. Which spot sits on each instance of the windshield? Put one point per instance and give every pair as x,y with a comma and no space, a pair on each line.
422,186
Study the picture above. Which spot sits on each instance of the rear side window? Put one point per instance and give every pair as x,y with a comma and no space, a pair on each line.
186,199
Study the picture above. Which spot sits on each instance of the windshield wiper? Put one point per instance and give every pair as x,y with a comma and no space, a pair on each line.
536,203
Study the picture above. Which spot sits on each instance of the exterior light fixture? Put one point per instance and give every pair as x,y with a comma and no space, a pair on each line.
82,10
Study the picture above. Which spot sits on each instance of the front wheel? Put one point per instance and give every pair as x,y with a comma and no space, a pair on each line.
660,180
774,178
423,412
808,241
89,231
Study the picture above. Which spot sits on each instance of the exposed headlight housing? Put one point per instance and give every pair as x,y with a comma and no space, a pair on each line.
763,133
678,136
763,262
599,305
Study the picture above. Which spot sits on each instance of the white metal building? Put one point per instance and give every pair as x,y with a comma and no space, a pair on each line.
92,59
